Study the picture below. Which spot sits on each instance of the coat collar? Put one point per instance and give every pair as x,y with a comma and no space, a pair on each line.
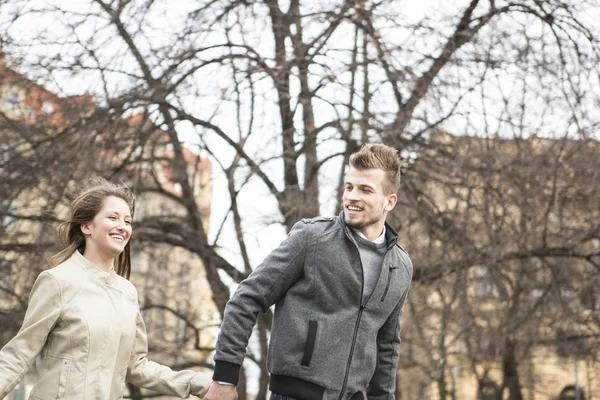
103,276
391,236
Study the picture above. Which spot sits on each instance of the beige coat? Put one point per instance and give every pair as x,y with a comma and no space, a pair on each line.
86,325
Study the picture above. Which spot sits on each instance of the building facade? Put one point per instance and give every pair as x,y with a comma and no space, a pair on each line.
504,236
76,139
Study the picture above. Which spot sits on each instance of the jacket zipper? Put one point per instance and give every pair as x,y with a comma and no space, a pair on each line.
360,311
358,318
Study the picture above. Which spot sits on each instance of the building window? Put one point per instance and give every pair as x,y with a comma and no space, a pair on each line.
11,102
140,210
571,393
484,286
9,206
485,290
5,278
488,390
47,108
135,263
6,150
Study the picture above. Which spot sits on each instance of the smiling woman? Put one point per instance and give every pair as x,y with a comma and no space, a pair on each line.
84,313
107,235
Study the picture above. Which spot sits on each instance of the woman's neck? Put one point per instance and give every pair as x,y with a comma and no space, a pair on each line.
101,261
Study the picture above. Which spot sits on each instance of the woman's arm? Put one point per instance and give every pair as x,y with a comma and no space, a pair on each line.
150,375
42,314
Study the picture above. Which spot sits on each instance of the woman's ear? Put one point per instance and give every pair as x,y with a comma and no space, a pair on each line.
85,228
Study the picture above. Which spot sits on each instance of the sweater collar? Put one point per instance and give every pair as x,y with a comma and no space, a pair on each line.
379,240
91,268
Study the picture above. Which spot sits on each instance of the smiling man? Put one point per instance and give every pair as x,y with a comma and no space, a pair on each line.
339,285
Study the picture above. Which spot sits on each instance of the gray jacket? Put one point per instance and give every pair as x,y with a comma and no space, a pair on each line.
327,340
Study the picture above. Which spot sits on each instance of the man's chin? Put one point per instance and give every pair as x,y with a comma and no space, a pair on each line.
353,223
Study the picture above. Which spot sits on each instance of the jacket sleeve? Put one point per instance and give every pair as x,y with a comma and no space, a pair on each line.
41,317
263,288
383,382
148,374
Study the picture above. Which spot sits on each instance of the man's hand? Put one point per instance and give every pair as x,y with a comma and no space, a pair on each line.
218,391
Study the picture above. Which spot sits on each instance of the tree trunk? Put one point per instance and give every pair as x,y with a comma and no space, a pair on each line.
510,372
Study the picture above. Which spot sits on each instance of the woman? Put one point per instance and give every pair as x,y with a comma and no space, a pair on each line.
83,315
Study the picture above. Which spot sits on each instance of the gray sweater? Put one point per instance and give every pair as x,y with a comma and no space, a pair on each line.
371,256
327,341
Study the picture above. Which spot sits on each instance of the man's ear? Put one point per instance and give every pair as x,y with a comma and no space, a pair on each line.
391,202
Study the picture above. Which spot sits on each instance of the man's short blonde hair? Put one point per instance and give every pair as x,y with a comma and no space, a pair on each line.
380,156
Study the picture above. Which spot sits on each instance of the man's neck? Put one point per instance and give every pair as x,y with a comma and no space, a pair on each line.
373,232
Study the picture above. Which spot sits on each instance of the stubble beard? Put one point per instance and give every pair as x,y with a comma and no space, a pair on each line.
363,223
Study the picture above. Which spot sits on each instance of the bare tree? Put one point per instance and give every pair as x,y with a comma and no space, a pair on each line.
507,217
280,93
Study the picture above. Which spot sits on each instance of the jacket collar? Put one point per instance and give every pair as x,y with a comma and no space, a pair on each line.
103,276
391,236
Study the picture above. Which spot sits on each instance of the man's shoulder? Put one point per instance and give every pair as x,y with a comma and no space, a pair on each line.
404,252
318,225
318,220
405,258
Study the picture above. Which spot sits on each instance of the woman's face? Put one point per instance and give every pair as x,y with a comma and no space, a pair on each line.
111,228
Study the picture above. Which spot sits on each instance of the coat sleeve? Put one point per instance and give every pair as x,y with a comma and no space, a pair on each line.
42,314
263,288
383,382
148,374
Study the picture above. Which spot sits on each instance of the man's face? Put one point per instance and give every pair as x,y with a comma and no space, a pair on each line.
365,203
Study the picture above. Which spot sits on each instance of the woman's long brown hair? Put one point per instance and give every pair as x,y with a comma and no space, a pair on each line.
84,208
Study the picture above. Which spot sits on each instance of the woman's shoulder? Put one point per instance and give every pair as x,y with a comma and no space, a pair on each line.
127,287
65,271
62,279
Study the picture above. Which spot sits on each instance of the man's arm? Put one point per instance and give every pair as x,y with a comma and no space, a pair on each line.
220,391
383,382
263,288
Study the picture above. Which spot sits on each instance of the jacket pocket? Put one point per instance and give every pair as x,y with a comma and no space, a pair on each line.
309,346
53,379
63,380
387,285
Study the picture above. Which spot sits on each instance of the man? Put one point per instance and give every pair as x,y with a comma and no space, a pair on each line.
339,285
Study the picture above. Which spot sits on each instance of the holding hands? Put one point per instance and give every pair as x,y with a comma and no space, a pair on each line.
220,391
